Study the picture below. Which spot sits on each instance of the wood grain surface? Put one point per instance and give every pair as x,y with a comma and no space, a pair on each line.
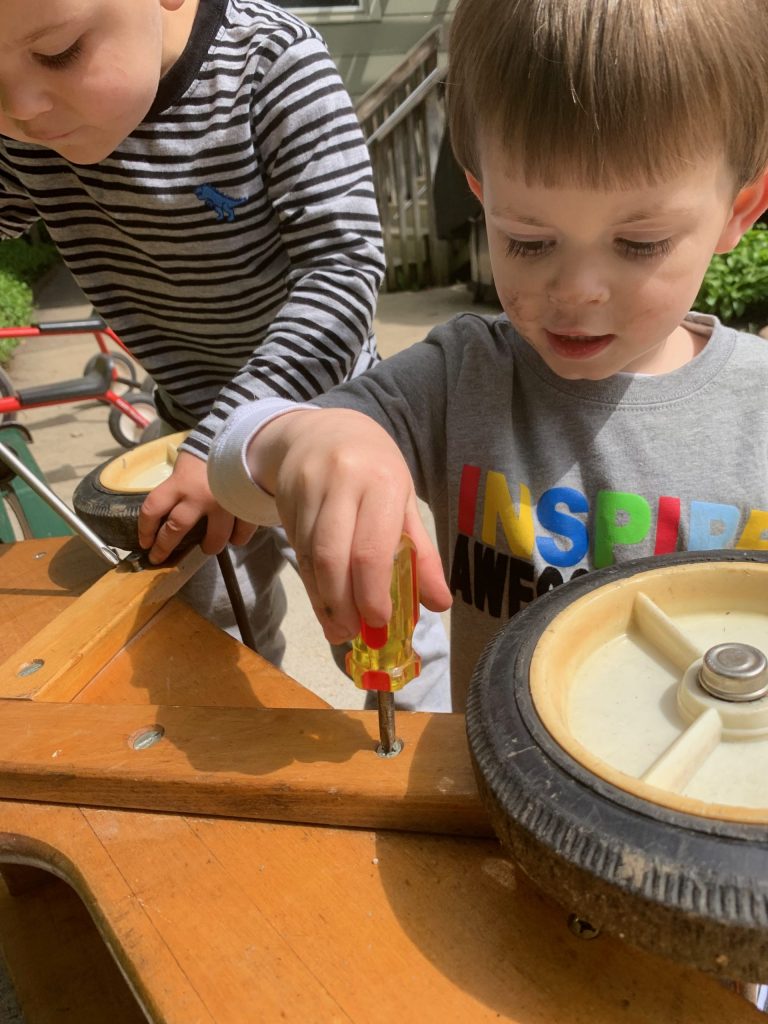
284,764
223,921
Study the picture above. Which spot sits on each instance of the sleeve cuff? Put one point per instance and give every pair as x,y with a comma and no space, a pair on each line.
229,477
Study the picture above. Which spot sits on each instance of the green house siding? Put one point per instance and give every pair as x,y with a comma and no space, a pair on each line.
368,38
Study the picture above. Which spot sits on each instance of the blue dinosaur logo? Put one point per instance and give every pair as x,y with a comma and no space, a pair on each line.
223,205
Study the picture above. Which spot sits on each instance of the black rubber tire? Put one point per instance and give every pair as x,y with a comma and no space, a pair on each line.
123,429
7,390
127,378
115,517
690,888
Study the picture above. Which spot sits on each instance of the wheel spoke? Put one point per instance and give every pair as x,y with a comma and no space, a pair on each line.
662,633
675,768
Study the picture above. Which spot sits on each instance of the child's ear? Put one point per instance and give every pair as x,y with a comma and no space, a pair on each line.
750,202
475,186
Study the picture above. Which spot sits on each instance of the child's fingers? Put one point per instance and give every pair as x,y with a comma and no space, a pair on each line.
151,515
434,592
322,539
380,525
341,491
241,532
177,525
218,531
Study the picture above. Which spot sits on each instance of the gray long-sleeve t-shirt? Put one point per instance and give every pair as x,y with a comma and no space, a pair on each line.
533,479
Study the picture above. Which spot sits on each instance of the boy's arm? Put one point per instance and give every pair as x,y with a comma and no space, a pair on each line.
342,478
344,495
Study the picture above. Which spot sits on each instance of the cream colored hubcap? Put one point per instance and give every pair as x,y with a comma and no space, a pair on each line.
657,683
144,467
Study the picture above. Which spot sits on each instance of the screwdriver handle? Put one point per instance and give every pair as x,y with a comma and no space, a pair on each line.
382,657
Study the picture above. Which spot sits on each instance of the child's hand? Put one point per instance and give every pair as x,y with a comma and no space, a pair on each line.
345,495
173,507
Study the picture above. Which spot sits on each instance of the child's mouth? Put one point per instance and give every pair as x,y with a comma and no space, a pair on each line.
578,346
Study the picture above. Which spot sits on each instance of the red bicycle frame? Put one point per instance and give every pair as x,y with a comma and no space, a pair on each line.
94,385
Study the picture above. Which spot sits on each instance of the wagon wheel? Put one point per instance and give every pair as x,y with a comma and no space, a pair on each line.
626,774
110,497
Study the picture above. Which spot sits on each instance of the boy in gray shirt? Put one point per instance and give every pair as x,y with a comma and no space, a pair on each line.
615,146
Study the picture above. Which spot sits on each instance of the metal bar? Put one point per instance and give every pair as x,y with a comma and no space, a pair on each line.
43,491
236,599
390,745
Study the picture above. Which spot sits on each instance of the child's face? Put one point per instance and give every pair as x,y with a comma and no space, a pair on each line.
78,76
598,282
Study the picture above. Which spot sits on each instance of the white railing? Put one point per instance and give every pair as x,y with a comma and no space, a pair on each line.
403,119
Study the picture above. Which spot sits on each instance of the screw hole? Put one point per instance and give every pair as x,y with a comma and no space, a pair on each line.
397,746
581,928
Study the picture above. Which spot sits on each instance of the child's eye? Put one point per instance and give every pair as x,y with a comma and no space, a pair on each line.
60,60
516,247
643,250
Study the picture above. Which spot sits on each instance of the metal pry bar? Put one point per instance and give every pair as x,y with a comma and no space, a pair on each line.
43,491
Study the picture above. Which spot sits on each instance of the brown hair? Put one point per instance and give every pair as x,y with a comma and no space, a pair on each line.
609,91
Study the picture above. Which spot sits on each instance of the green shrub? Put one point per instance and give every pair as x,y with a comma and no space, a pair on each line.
24,260
735,287
21,264
16,304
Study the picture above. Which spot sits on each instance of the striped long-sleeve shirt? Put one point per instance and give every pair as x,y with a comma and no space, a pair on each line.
232,240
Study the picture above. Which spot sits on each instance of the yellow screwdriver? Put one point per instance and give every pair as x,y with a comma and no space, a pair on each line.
382,658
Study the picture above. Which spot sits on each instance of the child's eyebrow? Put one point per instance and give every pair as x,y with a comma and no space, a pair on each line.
656,213
38,33
521,218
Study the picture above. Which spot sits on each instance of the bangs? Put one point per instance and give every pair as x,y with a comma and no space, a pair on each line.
600,92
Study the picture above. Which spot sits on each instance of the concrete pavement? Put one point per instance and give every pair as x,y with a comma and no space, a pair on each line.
69,440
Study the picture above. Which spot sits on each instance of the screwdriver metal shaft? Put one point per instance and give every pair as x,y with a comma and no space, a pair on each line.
389,743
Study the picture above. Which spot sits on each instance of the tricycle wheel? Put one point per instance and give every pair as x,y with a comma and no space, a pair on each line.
124,430
126,379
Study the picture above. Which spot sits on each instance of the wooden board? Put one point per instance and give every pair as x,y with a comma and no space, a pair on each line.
75,644
214,669
217,921
229,922
304,765
38,580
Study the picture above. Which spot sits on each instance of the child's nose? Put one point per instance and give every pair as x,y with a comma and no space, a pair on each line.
23,101
579,285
